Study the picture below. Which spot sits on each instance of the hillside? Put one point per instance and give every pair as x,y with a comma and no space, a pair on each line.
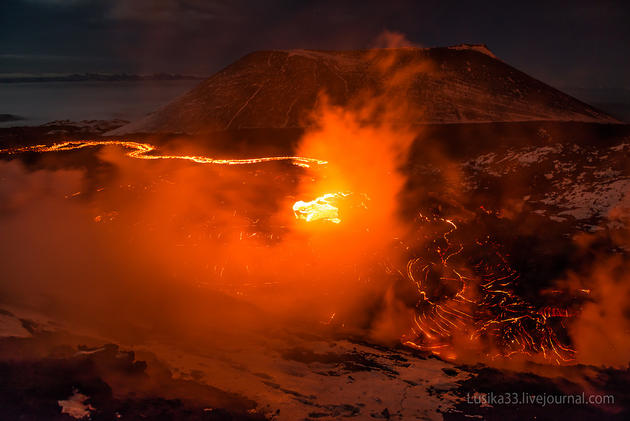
279,89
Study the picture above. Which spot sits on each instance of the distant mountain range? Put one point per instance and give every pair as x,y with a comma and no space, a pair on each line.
280,89
100,77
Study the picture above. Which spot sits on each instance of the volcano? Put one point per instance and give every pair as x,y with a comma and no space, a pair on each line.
280,89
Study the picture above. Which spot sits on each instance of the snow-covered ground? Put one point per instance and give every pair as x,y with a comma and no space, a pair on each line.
587,184
290,376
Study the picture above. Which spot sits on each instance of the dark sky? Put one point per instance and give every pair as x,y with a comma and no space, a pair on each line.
573,43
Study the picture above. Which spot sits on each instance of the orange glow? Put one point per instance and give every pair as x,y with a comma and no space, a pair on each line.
143,151
459,306
324,208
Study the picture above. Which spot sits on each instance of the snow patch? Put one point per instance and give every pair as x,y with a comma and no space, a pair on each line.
480,48
407,386
75,405
11,327
532,156
583,201
620,147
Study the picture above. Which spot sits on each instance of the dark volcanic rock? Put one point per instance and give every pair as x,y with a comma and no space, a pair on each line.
92,384
279,89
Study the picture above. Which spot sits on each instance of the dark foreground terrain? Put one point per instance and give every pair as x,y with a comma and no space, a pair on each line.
49,373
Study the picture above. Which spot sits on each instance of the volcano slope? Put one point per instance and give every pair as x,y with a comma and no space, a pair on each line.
280,89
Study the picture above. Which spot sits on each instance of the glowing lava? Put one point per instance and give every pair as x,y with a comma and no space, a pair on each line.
478,303
324,208
143,151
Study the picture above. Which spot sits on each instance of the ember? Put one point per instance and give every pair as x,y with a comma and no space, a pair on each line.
477,303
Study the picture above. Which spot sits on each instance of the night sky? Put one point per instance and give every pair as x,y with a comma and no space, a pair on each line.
578,43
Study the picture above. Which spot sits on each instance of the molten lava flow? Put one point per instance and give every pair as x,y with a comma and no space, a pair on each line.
143,150
478,305
324,208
